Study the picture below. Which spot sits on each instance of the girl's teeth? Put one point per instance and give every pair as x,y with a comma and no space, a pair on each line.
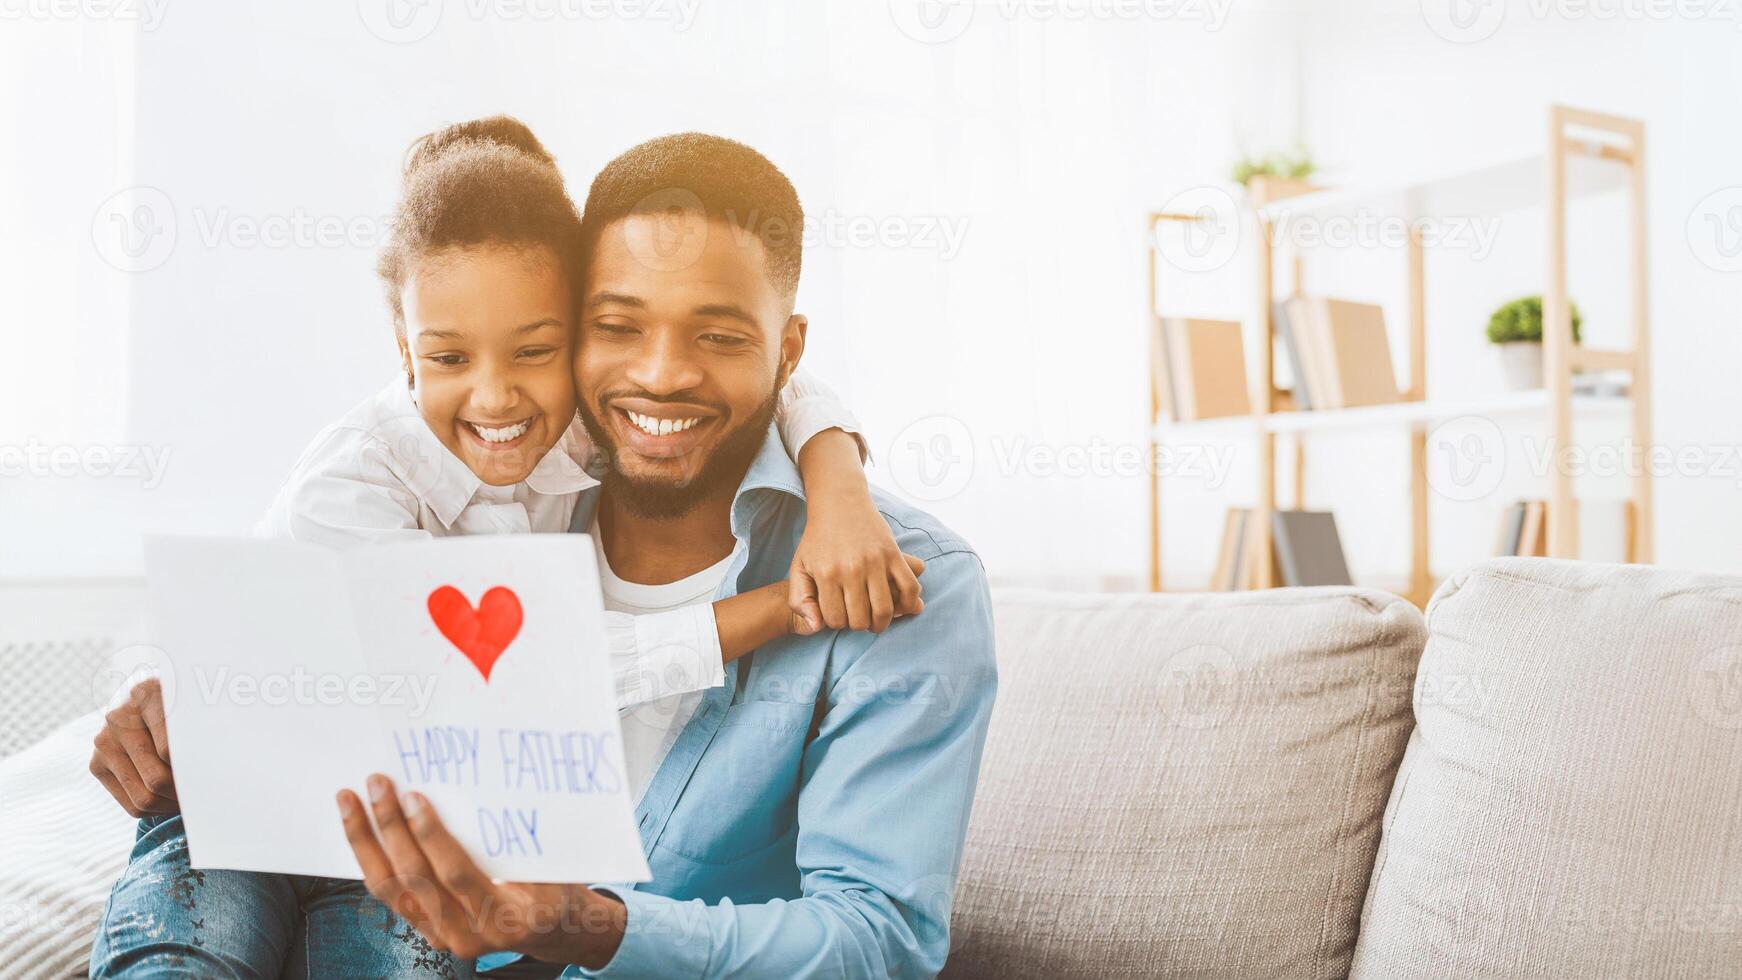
660,427
504,434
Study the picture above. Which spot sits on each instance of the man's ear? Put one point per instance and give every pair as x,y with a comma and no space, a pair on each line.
791,346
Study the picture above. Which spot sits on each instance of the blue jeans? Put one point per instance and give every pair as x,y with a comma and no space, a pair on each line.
164,919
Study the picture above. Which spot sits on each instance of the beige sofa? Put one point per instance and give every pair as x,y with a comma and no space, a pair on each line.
1543,778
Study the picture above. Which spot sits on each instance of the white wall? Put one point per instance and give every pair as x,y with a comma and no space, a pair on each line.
1384,94
1041,140
1038,141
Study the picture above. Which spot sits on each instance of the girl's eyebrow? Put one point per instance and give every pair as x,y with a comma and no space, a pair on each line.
549,321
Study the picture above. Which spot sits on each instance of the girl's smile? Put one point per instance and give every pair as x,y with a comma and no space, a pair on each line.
489,345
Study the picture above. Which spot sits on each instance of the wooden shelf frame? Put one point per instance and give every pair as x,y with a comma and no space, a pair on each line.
1572,133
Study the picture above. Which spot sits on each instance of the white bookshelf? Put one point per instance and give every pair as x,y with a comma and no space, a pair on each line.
1585,154
1418,416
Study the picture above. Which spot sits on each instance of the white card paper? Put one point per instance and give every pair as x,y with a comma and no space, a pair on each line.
471,669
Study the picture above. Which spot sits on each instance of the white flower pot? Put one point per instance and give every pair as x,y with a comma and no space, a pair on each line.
1521,364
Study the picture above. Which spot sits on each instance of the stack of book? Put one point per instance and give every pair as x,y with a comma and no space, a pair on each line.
1604,529
1524,529
1338,352
1308,550
1198,368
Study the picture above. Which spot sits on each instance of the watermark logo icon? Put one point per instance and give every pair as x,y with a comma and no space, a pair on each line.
1207,242
134,229
1464,21
1716,690
1714,230
669,230
932,459
1203,687
932,21
400,21
1466,457
126,668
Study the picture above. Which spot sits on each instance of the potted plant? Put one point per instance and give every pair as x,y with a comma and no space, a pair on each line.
1276,175
1517,328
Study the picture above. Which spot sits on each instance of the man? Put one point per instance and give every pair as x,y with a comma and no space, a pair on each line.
807,818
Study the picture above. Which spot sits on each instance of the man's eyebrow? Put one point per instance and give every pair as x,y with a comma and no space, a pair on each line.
622,299
727,310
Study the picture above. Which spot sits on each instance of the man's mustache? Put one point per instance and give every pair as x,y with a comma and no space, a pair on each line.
604,400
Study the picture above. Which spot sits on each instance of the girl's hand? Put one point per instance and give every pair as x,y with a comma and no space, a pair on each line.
848,572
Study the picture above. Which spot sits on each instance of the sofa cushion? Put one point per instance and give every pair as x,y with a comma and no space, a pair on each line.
1183,785
1571,802
63,842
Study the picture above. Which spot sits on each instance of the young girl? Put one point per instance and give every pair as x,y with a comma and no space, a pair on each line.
480,435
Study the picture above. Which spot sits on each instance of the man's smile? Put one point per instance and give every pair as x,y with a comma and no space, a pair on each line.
661,429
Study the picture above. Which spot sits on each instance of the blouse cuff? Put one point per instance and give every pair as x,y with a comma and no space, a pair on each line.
660,654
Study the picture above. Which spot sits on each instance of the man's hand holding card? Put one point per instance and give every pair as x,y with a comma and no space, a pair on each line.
473,671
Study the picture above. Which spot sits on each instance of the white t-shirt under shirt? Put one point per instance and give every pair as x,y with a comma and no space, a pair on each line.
651,727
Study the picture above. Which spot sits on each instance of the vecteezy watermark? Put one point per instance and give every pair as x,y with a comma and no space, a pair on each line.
1470,21
134,229
147,464
941,21
1202,689
1100,459
137,229
148,14
673,228
1367,228
1464,21
410,21
1716,687
1714,230
1466,457
1209,239
305,688
932,458
1629,458
112,684
939,233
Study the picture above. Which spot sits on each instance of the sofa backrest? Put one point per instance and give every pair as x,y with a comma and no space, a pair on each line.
1183,785
1571,802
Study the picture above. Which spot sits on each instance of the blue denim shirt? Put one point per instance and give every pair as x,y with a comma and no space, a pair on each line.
809,820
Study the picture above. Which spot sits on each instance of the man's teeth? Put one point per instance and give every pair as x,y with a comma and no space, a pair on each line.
504,434
659,427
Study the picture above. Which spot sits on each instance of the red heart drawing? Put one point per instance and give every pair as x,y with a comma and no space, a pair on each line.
483,633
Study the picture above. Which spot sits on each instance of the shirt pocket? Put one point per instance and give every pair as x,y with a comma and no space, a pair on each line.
743,796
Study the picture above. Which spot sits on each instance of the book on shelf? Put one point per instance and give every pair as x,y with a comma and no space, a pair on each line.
1201,364
1339,351
1158,367
1292,353
1533,533
1511,528
1603,529
1308,550
1226,577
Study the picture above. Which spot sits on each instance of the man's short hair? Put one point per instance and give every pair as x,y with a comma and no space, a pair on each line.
729,181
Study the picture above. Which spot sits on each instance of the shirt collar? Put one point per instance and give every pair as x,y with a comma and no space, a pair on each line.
445,484
772,473
562,470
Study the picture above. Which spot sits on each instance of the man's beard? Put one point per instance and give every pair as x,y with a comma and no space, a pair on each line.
663,500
